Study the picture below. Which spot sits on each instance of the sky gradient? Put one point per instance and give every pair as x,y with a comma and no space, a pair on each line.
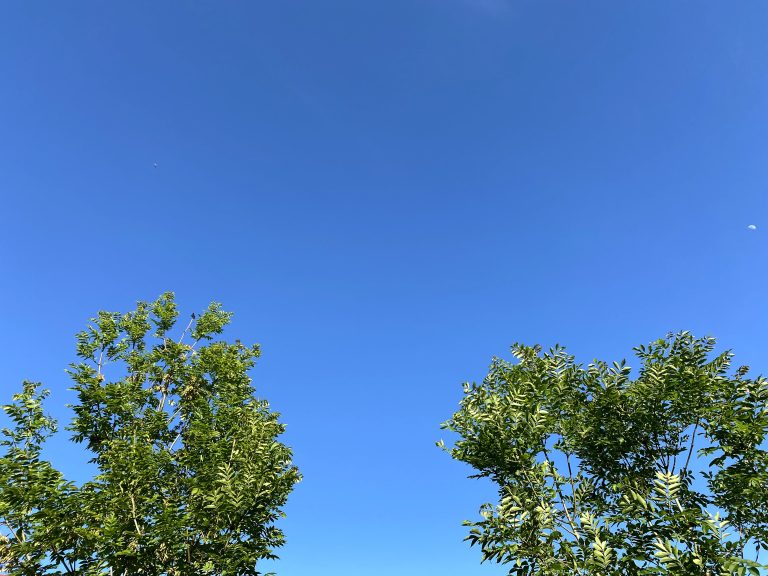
387,194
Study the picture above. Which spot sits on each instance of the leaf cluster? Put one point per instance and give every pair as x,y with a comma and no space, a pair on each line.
602,473
191,476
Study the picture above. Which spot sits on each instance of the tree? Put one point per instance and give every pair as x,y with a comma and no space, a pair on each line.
191,477
600,473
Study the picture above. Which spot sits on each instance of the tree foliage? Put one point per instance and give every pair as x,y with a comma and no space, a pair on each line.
600,473
191,477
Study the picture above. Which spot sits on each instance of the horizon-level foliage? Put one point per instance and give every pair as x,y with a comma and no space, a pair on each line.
191,477
600,473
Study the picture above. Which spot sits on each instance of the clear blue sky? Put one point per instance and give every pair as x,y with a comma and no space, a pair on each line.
387,194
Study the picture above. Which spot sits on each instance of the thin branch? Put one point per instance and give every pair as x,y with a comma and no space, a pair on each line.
576,533
663,461
173,415
163,390
178,437
573,486
232,452
135,520
189,325
674,457
567,529
690,449
70,568
15,535
192,347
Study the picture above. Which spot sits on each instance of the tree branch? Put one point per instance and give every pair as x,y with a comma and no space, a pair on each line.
135,519
576,532
690,449
189,325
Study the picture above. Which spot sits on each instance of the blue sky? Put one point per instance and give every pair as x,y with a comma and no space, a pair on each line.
387,194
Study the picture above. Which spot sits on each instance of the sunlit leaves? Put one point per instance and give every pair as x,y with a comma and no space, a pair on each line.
600,471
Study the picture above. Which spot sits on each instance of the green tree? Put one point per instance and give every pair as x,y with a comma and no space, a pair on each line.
191,477
600,473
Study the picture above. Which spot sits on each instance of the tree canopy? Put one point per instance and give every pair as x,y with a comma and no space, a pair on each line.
191,475
602,473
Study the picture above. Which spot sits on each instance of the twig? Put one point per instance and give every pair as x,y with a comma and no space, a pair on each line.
576,533
189,325
135,520
15,535
573,487
690,449
178,436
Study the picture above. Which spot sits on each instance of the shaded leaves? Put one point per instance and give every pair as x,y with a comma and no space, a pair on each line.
191,477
